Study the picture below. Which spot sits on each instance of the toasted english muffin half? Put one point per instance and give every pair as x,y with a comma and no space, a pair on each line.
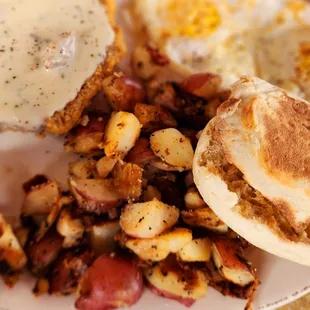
251,167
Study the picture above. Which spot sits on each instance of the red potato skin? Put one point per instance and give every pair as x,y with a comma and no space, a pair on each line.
111,282
44,252
96,206
91,133
187,302
141,154
123,92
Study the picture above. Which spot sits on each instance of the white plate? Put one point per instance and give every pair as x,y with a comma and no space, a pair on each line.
24,155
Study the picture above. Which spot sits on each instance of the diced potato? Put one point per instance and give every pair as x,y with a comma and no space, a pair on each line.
110,282
122,131
204,85
148,219
228,259
158,248
127,179
84,168
154,117
70,227
193,199
22,235
41,287
102,236
198,250
52,217
151,193
12,255
95,195
206,218
86,138
173,148
161,165
143,64
122,92
40,199
105,166
171,281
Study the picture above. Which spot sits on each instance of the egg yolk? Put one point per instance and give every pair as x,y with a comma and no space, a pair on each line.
189,18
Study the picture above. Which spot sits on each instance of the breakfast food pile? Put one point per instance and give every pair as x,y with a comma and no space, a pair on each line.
133,208
175,178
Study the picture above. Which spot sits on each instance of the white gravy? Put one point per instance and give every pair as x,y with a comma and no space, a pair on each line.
48,48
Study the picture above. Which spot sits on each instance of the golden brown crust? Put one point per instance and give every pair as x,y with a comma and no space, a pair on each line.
287,134
62,121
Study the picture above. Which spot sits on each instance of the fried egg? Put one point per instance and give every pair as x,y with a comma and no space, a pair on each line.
265,38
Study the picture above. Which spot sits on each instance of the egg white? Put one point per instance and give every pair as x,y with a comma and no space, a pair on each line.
253,37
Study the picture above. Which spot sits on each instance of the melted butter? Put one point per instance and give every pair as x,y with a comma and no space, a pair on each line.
47,51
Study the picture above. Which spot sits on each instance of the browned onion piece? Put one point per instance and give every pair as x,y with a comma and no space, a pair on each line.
68,270
44,252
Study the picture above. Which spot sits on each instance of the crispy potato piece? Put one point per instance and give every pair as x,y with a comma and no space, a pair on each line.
95,195
68,270
148,219
228,288
40,199
127,179
173,148
122,92
158,248
43,253
227,256
169,280
193,199
143,63
105,166
153,117
198,250
49,221
87,138
151,193
141,154
121,134
111,282
84,168
70,227
204,85
41,287
12,256
206,218
102,236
